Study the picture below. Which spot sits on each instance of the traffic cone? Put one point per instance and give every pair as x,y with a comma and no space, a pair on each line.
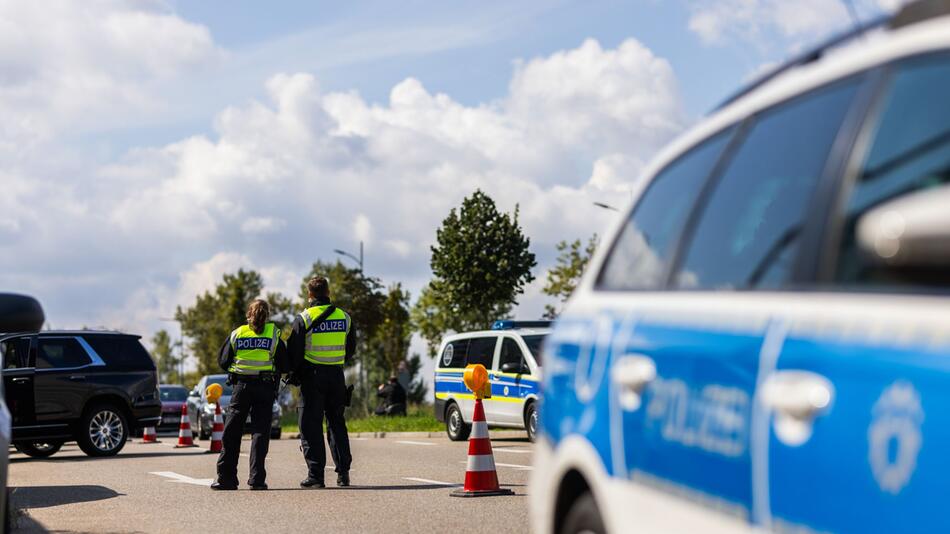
149,435
184,430
481,479
217,430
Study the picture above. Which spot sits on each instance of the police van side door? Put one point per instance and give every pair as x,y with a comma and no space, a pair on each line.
860,428
506,382
481,350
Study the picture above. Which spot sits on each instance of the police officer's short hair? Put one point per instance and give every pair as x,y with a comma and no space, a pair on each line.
318,286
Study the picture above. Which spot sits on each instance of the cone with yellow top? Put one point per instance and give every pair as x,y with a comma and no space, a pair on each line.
213,393
481,478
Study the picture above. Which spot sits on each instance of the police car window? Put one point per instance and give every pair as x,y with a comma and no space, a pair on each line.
641,253
60,353
510,353
748,232
910,151
481,350
453,355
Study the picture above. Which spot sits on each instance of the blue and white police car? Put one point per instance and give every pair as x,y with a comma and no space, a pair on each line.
511,351
763,342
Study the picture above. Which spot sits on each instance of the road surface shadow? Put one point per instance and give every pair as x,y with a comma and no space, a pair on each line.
27,497
400,487
84,458
511,440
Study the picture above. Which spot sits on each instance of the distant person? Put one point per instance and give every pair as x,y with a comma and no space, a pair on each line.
253,356
393,397
320,343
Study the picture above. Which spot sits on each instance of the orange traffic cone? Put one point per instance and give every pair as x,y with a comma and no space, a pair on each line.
184,429
217,430
481,479
149,435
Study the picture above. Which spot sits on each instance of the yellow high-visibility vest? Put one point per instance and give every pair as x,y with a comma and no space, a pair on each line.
253,352
326,342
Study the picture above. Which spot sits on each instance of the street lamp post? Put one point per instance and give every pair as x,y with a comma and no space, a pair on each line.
352,257
605,206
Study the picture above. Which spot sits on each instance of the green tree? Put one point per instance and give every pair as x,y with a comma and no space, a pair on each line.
165,360
562,279
214,314
480,265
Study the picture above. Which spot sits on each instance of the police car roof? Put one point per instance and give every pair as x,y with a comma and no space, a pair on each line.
518,331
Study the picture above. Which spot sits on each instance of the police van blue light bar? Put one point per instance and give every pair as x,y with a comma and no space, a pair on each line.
510,325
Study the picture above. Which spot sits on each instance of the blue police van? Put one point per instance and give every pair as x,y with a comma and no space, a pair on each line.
511,352
762,343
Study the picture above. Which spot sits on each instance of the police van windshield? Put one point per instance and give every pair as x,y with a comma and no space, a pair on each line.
534,345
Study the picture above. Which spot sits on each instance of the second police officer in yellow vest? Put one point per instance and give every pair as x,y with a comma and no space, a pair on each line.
321,341
253,356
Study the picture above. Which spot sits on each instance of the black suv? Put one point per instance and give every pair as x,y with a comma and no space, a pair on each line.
91,387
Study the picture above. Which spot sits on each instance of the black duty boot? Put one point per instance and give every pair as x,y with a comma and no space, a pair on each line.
223,487
258,487
343,480
311,482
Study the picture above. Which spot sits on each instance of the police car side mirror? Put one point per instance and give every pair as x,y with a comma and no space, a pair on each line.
912,230
20,313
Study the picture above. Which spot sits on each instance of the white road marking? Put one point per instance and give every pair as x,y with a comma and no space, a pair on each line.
427,444
182,479
517,451
427,481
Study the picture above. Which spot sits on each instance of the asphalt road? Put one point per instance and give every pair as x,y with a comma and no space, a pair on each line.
399,485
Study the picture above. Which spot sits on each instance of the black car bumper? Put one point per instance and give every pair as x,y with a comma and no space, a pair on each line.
439,410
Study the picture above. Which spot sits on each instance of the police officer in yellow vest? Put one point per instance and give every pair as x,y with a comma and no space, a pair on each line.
320,343
254,356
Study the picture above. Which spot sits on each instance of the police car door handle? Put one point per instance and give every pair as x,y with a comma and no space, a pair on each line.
631,373
796,398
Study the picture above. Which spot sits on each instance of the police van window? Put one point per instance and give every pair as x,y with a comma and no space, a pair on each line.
534,345
641,253
481,350
453,355
60,353
511,353
15,353
910,152
747,234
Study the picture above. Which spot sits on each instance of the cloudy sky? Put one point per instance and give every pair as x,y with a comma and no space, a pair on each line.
148,147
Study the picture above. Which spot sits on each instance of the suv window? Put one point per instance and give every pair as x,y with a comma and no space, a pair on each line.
910,151
481,350
642,251
747,234
58,353
453,355
511,353
120,352
15,353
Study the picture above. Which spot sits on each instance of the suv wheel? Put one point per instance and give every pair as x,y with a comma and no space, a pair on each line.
531,421
102,431
39,449
455,426
583,517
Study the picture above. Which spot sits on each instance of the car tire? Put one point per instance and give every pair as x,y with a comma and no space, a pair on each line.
275,433
39,449
103,430
203,434
584,516
531,421
455,425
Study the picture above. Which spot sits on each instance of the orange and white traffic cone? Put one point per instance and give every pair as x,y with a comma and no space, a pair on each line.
217,430
481,479
149,435
184,430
